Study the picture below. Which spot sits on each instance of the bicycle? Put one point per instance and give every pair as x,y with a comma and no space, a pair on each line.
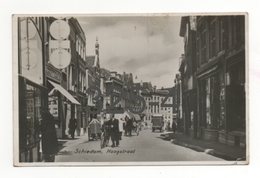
104,138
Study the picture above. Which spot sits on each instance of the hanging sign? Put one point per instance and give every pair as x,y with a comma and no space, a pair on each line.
29,59
60,58
59,29
28,30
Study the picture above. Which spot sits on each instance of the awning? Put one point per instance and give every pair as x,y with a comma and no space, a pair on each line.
129,115
64,93
136,116
207,72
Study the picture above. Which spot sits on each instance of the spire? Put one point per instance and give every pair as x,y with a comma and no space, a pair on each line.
97,46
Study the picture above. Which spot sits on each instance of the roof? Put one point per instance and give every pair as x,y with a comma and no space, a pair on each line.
162,91
168,89
105,72
90,60
146,85
146,91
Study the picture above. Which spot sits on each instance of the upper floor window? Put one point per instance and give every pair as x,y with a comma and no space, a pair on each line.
222,31
237,30
203,47
212,37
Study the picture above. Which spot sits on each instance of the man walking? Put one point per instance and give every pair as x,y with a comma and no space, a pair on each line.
72,127
49,136
114,131
173,126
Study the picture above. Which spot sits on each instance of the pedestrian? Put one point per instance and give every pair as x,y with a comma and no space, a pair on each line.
114,131
129,126
121,128
168,126
48,135
125,125
173,126
134,124
72,127
106,128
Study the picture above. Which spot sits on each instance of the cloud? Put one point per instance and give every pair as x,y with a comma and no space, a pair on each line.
148,47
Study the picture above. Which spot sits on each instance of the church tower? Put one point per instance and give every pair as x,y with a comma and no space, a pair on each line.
97,47
96,64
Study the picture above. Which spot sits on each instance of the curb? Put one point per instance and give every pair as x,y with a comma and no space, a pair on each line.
208,151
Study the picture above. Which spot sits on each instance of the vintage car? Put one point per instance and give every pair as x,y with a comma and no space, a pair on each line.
157,122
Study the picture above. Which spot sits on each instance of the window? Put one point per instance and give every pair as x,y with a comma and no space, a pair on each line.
240,25
212,32
33,103
222,29
70,77
203,43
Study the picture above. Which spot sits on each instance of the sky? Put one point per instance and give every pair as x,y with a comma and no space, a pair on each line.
148,46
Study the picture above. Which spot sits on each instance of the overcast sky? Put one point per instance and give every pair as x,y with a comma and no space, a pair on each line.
149,47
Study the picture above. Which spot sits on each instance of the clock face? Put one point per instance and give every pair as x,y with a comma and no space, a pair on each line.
29,59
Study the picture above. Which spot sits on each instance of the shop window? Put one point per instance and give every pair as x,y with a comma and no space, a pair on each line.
33,103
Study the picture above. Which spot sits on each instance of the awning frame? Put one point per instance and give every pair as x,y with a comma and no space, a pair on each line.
64,92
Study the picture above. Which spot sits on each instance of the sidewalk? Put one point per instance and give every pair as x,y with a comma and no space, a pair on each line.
64,142
217,149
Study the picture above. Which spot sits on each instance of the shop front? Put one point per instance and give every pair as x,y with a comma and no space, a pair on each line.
236,100
30,99
62,105
81,114
211,111
31,86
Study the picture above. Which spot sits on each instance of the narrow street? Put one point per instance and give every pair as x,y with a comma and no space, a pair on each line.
148,146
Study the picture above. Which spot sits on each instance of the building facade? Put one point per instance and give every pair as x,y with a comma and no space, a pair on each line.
93,79
44,79
32,84
188,69
76,77
114,86
220,77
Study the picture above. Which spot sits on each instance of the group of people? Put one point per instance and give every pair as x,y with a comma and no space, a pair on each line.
129,125
174,126
114,128
111,125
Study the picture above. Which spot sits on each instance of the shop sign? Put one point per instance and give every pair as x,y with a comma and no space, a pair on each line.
53,74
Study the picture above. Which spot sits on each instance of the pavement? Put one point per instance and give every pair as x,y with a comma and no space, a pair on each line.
230,153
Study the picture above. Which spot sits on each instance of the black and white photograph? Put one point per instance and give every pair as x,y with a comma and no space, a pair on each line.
130,89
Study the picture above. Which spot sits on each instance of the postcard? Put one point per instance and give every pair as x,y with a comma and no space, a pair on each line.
130,89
